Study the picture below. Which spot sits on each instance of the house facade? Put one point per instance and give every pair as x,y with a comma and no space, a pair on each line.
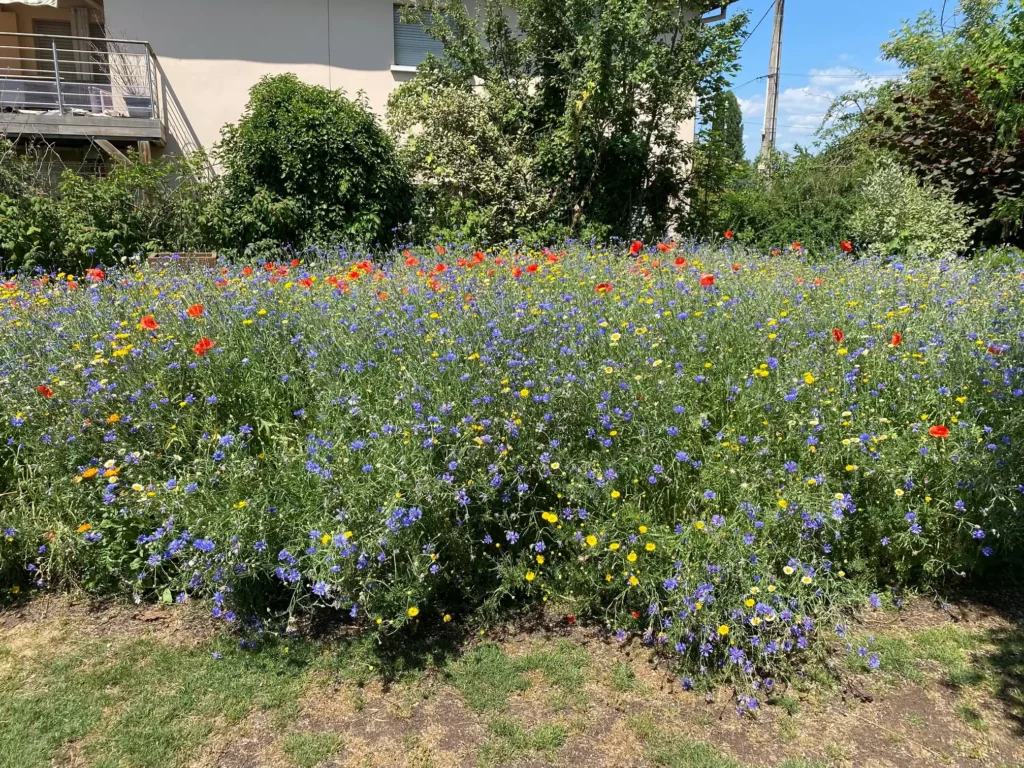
172,73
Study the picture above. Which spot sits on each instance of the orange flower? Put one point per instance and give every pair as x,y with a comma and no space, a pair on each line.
246,271
602,287
939,431
897,337
728,234
203,346
84,527
797,246
90,472
707,280
95,275
411,261
666,247
113,418
149,323
44,390
196,310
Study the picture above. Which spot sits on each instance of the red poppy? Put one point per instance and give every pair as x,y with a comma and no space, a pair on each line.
846,246
666,247
246,271
203,346
838,335
439,249
149,323
728,234
681,262
994,349
636,614
95,274
797,246
196,310
516,272
44,390
897,338
306,282
707,280
412,261
602,287
532,268
636,247
735,267
571,619
939,431
295,262
440,268
72,285
9,285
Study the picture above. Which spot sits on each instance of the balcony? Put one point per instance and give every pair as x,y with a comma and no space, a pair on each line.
73,89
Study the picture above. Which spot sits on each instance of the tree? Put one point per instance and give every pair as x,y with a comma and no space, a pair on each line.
957,116
727,123
578,108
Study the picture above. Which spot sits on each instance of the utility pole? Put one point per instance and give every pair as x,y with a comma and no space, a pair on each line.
771,105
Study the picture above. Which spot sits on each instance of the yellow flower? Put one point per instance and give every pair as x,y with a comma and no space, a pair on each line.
113,418
90,472
650,546
616,336
84,527
524,392
788,570
325,539
631,557
723,630
808,378
413,612
699,525
749,602
614,546
530,575
555,465
540,559
783,503
806,580
550,517
615,494
772,587
591,540
642,529
633,581
899,491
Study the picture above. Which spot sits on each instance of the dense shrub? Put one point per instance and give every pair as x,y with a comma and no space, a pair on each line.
897,215
305,164
701,448
807,198
81,221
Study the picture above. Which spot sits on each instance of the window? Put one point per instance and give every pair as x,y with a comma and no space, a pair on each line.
412,43
78,59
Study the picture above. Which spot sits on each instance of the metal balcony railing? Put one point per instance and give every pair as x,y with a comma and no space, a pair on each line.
65,75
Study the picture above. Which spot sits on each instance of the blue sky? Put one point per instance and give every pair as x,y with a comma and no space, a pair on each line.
827,48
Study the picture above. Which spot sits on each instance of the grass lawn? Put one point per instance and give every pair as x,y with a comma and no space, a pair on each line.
120,685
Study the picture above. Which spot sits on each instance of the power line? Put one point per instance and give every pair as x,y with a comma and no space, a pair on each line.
751,32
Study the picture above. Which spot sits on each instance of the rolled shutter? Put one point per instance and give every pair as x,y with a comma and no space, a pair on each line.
412,43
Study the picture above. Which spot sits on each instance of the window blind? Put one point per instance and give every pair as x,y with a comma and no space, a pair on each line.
412,43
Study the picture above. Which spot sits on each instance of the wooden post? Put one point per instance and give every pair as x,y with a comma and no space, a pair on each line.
145,152
117,155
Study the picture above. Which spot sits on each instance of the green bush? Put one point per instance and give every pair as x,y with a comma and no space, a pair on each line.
305,164
806,198
897,215
83,221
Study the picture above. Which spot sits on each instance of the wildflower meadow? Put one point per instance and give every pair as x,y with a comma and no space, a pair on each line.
703,448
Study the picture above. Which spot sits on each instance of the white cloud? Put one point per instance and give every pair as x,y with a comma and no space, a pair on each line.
801,107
